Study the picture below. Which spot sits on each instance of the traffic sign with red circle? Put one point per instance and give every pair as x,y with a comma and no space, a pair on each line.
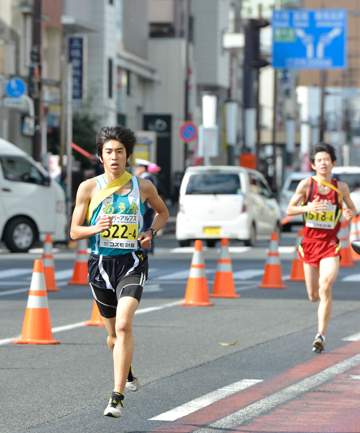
188,131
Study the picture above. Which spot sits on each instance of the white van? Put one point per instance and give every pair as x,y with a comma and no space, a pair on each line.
31,204
225,202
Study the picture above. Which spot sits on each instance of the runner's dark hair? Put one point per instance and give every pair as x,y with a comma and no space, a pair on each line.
119,133
322,147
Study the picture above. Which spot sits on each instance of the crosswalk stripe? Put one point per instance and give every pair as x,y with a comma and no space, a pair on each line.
353,277
354,337
249,273
205,400
272,401
14,272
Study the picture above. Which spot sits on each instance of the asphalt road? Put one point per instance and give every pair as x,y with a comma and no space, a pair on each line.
190,381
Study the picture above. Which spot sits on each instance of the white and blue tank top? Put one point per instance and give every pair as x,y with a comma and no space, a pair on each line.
128,216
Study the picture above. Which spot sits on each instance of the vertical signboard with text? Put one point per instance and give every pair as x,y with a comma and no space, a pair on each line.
76,58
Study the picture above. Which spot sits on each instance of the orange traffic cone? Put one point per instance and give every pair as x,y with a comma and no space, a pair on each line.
49,268
272,276
37,327
96,319
297,267
353,237
346,260
224,282
197,292
80,267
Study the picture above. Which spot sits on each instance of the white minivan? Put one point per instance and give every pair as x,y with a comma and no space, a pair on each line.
31,204
225,202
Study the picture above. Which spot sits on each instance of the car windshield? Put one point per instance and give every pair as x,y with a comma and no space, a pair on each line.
293,184
213,183
352,179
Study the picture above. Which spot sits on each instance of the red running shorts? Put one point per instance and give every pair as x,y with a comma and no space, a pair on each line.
312,251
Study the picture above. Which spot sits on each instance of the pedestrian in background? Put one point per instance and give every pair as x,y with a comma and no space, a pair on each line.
144,170
112,204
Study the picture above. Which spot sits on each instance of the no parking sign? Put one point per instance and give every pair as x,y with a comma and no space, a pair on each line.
188,131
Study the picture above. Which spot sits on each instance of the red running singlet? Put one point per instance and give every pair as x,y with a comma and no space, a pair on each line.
322,227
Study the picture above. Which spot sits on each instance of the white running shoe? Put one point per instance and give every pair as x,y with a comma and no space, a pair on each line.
115,405
319,343
132,383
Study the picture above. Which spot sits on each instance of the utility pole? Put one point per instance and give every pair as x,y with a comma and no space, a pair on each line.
186,96
273,163
35,77
252,63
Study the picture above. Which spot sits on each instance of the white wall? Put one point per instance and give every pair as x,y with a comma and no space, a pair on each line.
168,56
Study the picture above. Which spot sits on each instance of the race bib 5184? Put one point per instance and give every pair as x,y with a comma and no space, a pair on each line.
326,220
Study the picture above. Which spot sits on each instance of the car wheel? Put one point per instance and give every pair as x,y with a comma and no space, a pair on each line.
251,241
211,243
20,235
184,243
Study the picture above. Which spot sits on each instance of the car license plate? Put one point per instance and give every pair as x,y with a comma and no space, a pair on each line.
212,231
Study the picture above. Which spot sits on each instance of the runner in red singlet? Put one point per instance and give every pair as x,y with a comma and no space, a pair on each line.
322,206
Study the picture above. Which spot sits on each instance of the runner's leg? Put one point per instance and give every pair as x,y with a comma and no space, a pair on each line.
329,269
124,346
312,281
110,327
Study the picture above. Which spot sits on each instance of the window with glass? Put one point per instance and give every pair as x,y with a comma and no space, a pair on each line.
17,169
213,183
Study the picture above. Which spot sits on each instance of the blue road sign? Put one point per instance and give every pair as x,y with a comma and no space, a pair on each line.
309,39
15,87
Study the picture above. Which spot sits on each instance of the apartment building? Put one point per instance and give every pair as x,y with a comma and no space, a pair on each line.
182,48
15,47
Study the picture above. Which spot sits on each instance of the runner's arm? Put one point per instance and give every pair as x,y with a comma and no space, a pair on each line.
300,194
350,212
77,230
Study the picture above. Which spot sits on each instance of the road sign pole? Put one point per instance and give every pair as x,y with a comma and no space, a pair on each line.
322,104
36,61
69,139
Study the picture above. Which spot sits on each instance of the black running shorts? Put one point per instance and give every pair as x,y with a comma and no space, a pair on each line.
112,277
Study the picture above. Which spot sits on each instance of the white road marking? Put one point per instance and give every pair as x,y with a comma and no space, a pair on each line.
285,250
353,277
272,401
13,292
354,337
353,377
25,289
151,288
8,273
191,249
11,283
64,274
249,273
205,400
81,324
239,249
180,275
